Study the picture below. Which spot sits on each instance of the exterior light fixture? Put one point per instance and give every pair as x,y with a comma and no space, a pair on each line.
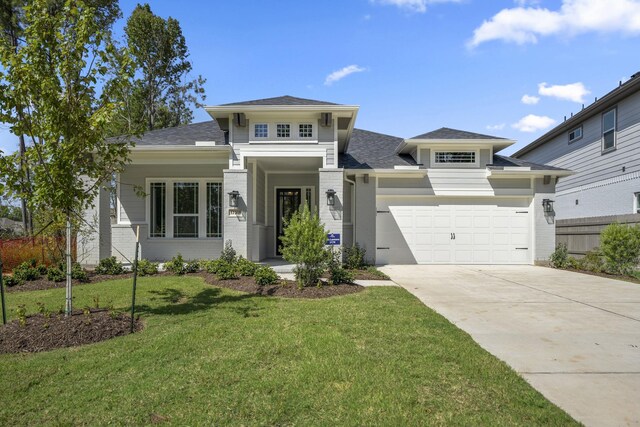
233,198
547,205
331,197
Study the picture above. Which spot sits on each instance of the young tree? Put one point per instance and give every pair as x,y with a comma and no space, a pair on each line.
54,79
162,94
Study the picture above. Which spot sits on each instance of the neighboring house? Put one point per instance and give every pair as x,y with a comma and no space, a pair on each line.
601,144
441,197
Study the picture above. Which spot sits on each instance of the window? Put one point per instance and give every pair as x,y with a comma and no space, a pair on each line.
283,130
609,130
575,134
185,209
305,130
455,157
214,209
636,199
261,130
158,214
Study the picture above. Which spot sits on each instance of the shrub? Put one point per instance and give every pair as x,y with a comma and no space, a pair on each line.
10,281
354,257
175,265
42,269
246,267
226,271
212,266
303,243
559,258
265,276
79,273
593,261
110,266
192,266
26,272
54,274
337,274
147,268
228,254
620,246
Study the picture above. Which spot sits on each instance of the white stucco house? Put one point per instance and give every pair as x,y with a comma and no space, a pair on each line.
442,197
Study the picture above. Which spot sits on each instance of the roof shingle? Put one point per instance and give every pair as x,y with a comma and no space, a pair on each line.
448,133
183,135
282,100
371,150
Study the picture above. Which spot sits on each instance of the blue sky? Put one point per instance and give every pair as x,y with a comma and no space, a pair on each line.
414,65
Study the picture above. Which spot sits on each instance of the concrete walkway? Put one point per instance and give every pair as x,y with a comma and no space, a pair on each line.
574,337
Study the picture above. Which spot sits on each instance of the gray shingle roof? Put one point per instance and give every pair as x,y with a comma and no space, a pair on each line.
448,133
371,150
183,135
502,161
282,100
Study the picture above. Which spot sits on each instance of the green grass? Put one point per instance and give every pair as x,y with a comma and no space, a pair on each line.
216,357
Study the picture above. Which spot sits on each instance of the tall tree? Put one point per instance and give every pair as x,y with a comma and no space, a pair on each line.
54,79
162,92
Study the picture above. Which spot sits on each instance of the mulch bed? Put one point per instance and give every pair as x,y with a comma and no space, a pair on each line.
286,288
43,283
57,331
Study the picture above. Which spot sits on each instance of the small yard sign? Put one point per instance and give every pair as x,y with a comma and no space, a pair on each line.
333,239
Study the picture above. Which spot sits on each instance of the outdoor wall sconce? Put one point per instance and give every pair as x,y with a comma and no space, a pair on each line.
547,205
331,197
233,198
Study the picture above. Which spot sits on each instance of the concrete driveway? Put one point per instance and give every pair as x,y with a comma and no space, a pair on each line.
574,337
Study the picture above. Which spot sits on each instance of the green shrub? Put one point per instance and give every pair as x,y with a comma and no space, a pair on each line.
560,257
620,246
354,257
573,263
593,261
246,267
265,276
54,274
11,281
26,272
79,273
192,266
303,244
110,266
42,269
175,265
212,266
226,271
147,268
228,254
337,274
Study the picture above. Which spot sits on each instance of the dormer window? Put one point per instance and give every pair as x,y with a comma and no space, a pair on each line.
455,157
305,130
283,130
261,130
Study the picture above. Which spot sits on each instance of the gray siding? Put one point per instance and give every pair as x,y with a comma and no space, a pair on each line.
241,134
260,196
485,158
326,138
365,225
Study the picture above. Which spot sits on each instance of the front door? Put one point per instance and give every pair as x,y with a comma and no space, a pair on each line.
288,201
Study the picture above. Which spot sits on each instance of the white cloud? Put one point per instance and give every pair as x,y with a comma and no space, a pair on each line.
419,6
496,127
571,92
342,73
526,24
533,123
523,3
530,100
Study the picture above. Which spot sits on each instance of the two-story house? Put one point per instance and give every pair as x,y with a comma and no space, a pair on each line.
601,144
441,197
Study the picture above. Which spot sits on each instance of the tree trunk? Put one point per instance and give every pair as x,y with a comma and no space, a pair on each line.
69,296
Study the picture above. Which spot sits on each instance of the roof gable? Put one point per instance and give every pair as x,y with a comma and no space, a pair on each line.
282,100
448,133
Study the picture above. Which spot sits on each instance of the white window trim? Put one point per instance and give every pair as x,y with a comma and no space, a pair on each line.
260,138
313,130
615,130
636,205
475,164
294,132
571,141
202,207
282,138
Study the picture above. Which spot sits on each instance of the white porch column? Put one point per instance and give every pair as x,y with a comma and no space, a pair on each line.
544,226
237,225
331,216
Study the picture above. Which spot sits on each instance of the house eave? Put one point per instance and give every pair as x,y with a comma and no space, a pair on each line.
495,144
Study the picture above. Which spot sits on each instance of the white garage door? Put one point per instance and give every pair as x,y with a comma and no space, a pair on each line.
453,231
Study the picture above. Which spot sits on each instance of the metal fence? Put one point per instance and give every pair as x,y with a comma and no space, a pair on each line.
583,234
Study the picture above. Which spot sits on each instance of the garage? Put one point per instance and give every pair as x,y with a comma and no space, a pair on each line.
440,230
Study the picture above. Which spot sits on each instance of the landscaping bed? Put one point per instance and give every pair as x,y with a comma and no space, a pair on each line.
43,283
284,288
42,332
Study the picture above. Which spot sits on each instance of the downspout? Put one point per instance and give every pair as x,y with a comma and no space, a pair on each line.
353,207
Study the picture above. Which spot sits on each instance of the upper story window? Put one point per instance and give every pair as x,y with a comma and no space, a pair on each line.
305,130
261,130
455,157
575,134
609,130
283,130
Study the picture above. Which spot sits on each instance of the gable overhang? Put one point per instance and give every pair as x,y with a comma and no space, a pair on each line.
342,136
494,144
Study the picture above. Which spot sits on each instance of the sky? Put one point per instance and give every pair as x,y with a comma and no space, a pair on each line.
507,68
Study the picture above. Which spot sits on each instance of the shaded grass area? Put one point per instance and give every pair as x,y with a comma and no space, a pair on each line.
211,356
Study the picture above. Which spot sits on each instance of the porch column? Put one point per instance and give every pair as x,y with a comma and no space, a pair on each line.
331,216
237,221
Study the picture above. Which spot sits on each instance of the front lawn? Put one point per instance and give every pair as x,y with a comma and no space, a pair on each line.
211,356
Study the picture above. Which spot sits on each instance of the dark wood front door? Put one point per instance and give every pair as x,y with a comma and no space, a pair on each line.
288,201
